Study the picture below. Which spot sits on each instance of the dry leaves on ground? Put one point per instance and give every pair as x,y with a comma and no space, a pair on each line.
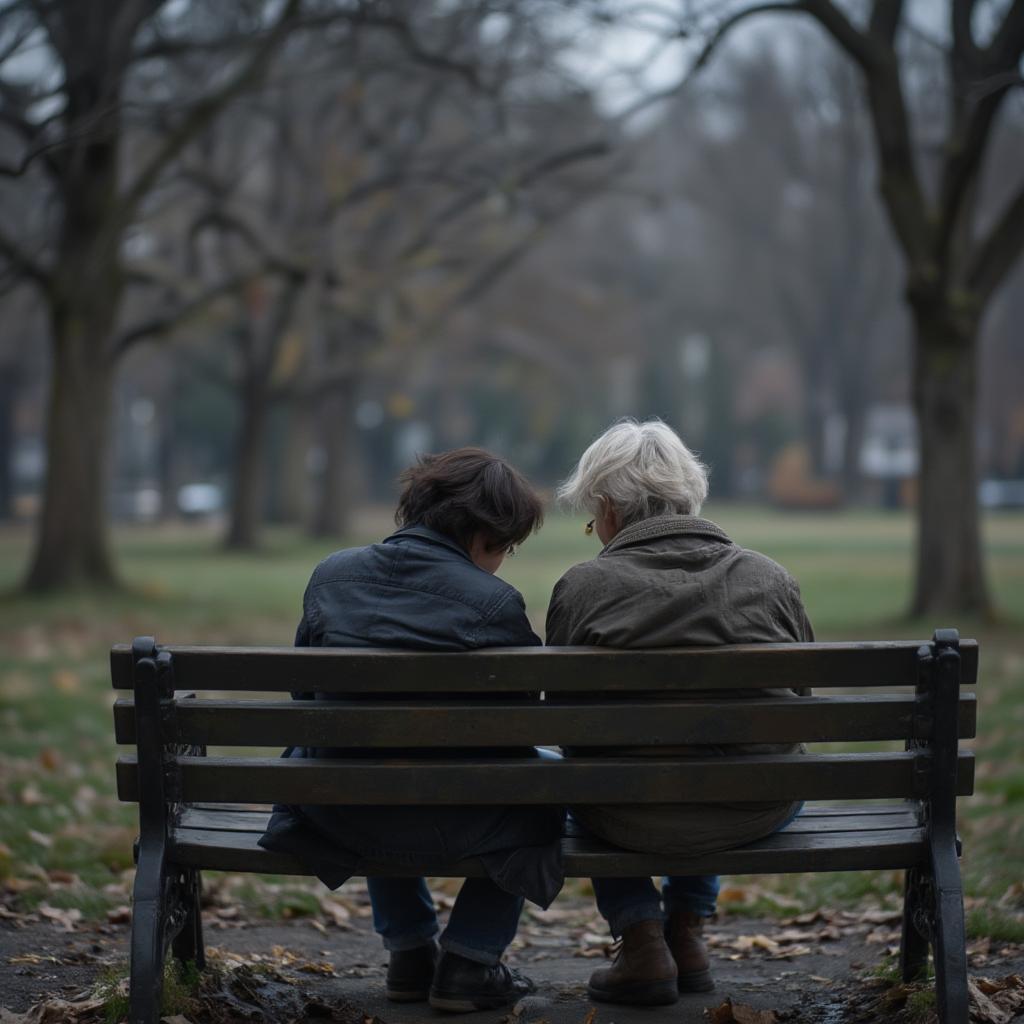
996,1001
253,988
740,1013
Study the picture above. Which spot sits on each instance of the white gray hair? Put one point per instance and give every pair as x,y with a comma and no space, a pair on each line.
642,469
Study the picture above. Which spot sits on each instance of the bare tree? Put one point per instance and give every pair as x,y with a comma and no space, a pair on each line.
69,119
953,263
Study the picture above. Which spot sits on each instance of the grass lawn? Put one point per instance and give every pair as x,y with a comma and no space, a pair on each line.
66,842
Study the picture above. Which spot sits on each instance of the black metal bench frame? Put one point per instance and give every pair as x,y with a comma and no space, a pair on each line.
193,813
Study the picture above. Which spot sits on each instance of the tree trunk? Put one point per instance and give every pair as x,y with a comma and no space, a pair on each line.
83,292
250,455
950,569
294,503
334,507
10,379
72,545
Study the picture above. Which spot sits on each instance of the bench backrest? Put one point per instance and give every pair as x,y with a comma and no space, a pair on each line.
387,700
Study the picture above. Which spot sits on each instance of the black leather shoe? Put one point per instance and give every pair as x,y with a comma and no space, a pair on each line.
410,972
462,985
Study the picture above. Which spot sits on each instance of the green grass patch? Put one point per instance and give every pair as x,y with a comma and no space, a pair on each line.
181,987
994,923
65,840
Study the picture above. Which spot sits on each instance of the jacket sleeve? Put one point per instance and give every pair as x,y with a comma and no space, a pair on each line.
303,639
509,625
799,623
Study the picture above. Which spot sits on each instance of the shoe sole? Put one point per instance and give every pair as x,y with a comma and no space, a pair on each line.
648,993
697,981
396,995
463,1004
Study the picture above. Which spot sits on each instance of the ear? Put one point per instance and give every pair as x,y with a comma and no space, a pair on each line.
613,517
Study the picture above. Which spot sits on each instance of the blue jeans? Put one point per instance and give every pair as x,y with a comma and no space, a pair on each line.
625,901
482,923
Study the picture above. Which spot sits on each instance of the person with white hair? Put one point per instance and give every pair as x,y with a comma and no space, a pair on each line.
666,578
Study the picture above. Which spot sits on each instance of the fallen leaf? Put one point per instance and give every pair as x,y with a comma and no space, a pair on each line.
50,759
31,796
732,894
67,919
340,916
795,935
33,958
56,1011
38,837
66,681
740,1013
878,916
317,967
119,915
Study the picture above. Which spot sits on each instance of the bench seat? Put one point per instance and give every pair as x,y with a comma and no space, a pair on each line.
223,837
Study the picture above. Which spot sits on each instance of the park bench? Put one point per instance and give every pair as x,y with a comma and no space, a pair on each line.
887,809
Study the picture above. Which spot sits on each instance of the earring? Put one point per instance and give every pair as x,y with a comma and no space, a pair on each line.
589,528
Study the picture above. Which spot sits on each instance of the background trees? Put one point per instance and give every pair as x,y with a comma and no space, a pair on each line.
318,236
954,259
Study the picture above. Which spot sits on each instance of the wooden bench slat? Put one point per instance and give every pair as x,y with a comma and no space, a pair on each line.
811,809
525,781
881,819
417,724
781,853
564,669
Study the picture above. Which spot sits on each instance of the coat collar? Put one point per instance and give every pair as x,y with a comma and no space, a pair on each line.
422,532
665,526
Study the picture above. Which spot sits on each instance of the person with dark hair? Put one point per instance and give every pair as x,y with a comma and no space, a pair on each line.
431,586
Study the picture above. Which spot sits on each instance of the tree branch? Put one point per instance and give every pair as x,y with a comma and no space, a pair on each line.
159,326
1007,46
19,170
546,165
856,43
885,20
833,20
207,109
23,264
961,16
996,256
400,28
964,155
272,259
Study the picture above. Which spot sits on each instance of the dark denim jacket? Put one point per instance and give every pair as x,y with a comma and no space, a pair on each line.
418,589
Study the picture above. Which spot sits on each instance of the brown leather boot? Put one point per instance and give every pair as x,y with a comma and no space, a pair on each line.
643,972
684,933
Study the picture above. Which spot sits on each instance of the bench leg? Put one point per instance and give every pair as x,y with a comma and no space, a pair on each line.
149,926
916,925
950,936
188,944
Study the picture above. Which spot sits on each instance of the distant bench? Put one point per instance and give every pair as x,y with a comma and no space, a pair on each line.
197,811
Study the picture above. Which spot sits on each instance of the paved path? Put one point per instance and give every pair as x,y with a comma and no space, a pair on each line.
806,970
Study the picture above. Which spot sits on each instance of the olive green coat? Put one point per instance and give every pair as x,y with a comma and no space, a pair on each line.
675,581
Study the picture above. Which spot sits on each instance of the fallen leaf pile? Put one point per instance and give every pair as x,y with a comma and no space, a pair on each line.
869,1000
996,1002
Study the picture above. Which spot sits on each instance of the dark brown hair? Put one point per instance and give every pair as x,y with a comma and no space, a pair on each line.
468,491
